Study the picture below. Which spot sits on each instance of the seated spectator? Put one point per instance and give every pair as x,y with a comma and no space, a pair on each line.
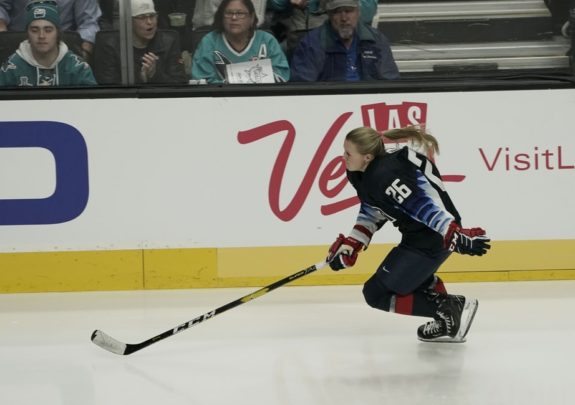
205,10
236,51
343,49
157,54
75,15
297,17
43,59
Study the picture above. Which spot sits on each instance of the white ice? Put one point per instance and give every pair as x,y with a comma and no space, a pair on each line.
292,346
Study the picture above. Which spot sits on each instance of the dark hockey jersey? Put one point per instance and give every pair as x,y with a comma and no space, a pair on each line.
405,188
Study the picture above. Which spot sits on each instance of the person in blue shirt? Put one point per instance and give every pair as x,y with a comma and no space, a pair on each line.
300,16
343,49
236,39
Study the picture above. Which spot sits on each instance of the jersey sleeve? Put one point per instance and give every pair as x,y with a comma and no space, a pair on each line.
279,61
369,220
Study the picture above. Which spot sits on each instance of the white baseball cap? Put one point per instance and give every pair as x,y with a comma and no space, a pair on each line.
141,7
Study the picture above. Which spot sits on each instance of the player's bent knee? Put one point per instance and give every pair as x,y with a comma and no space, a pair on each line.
376,296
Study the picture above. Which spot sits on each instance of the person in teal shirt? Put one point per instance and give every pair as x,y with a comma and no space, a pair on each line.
43,59
236,39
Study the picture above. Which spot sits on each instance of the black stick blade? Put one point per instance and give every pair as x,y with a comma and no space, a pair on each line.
108,343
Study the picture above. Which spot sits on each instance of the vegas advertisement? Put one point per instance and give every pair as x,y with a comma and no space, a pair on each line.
267,172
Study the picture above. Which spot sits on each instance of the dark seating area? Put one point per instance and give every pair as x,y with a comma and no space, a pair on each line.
455,36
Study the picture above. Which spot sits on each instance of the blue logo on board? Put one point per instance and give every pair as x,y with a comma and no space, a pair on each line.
68,147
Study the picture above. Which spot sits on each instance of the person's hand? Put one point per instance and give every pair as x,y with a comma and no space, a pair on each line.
3,26
466,241
472,241
343,252
148,66
87,50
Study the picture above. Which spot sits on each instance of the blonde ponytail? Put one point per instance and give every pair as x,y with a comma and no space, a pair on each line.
417,135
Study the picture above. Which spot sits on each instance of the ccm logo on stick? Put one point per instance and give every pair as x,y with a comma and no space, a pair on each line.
68,148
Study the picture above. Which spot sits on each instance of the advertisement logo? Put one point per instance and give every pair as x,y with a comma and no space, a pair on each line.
332,180
68,148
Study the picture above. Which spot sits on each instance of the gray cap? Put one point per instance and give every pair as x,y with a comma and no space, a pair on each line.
333,4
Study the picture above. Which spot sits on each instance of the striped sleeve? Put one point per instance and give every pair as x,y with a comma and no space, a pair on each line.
369,220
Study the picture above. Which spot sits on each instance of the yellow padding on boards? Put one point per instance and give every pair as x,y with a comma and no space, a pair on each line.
507,260
242,267
71,271
180,268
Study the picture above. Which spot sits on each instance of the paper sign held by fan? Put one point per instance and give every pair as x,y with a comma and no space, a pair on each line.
253,72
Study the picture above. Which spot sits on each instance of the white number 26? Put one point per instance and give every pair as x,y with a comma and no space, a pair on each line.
398,191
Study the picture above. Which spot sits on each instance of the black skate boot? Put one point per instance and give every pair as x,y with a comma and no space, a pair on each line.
433,331
451,322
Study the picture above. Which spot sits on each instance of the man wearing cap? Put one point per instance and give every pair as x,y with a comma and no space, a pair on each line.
75,15
157,54
300,16
43,59
343,49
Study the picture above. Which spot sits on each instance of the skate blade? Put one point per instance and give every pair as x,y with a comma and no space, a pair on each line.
444,339
467,317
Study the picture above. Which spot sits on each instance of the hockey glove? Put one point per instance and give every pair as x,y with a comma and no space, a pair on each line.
466,241
473,242
343,252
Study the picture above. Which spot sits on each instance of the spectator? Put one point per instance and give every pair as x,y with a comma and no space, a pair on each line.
343,49
75,15
204,11
43,59
235,39
297,17
157,54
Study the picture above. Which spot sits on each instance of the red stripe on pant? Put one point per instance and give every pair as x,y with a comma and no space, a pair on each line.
440,287
404,304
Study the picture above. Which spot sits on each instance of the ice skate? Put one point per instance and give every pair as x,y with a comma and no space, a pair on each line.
452,321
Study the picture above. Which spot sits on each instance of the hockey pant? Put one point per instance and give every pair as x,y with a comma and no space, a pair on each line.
405,283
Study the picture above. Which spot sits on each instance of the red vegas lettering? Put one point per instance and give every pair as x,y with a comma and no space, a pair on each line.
332,169
332,180
383,116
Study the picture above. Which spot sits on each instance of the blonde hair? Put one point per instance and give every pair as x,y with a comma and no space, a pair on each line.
369,141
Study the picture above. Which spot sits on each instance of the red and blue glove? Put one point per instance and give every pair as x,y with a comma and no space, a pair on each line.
466,241
343,252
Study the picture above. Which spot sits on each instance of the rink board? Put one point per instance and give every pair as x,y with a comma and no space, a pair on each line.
240,267
216,191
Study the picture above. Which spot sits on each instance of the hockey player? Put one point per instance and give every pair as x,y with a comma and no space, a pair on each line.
404,187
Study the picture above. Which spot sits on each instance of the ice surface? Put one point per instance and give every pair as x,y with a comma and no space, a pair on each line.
293,346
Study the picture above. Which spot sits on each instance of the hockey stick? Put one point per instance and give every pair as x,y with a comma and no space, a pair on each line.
110,344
